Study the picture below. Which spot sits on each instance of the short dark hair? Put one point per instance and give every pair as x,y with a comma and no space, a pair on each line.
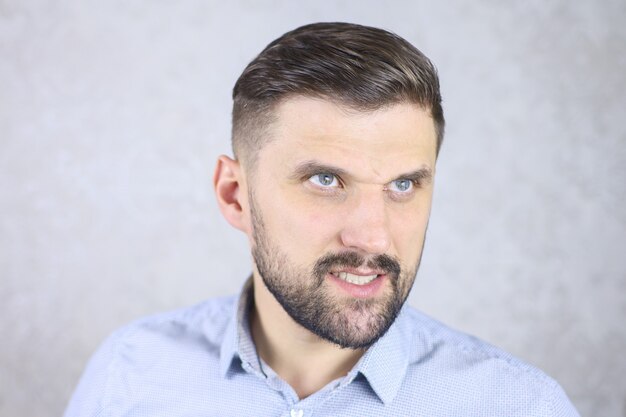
362,67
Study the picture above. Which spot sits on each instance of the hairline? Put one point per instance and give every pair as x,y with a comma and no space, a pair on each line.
248,153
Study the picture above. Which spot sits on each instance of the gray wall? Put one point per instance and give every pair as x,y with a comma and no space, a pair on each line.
112,114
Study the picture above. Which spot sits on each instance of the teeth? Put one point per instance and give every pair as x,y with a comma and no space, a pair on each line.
355,279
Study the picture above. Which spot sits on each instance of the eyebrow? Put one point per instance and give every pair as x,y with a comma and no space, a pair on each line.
424,175
306,169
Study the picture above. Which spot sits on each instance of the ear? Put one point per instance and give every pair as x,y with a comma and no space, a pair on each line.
230,190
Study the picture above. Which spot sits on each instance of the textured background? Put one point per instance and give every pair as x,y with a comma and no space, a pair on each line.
112,115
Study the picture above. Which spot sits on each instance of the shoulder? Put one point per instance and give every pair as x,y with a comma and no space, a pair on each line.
204,323
152,348
208,318
473,371
435,337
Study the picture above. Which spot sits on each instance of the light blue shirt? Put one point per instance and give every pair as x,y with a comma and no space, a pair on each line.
201,361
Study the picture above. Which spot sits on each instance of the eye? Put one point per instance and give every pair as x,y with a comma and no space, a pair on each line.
401,185
325,180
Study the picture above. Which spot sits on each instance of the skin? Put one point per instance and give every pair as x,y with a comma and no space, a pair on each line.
363,211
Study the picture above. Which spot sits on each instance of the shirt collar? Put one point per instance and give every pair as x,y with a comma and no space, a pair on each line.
238,343
384,364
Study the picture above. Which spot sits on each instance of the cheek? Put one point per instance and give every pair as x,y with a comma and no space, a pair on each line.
302,230
408,230
315,226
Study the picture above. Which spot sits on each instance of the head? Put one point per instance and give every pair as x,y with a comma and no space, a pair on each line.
336,130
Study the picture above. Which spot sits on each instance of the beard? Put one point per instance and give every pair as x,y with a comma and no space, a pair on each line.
307,296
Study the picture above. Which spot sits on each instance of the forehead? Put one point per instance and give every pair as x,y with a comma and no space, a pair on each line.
373,145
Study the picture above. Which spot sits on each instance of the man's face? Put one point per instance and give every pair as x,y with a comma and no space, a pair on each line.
339,205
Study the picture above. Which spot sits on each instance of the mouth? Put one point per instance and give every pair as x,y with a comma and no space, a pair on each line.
356,279
359,284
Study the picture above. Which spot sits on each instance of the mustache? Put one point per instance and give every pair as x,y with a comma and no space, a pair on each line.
383,262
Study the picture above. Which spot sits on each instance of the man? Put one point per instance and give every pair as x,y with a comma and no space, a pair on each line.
336,131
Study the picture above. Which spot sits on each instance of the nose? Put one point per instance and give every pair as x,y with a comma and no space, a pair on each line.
366,226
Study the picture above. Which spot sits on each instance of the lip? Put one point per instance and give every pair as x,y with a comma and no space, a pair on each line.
369,290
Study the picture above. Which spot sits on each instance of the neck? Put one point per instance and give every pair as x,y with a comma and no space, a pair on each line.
304,360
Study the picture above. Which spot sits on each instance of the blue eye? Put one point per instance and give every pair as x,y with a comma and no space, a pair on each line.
325,180
401,186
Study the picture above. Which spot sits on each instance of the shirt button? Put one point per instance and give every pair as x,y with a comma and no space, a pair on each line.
296,413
